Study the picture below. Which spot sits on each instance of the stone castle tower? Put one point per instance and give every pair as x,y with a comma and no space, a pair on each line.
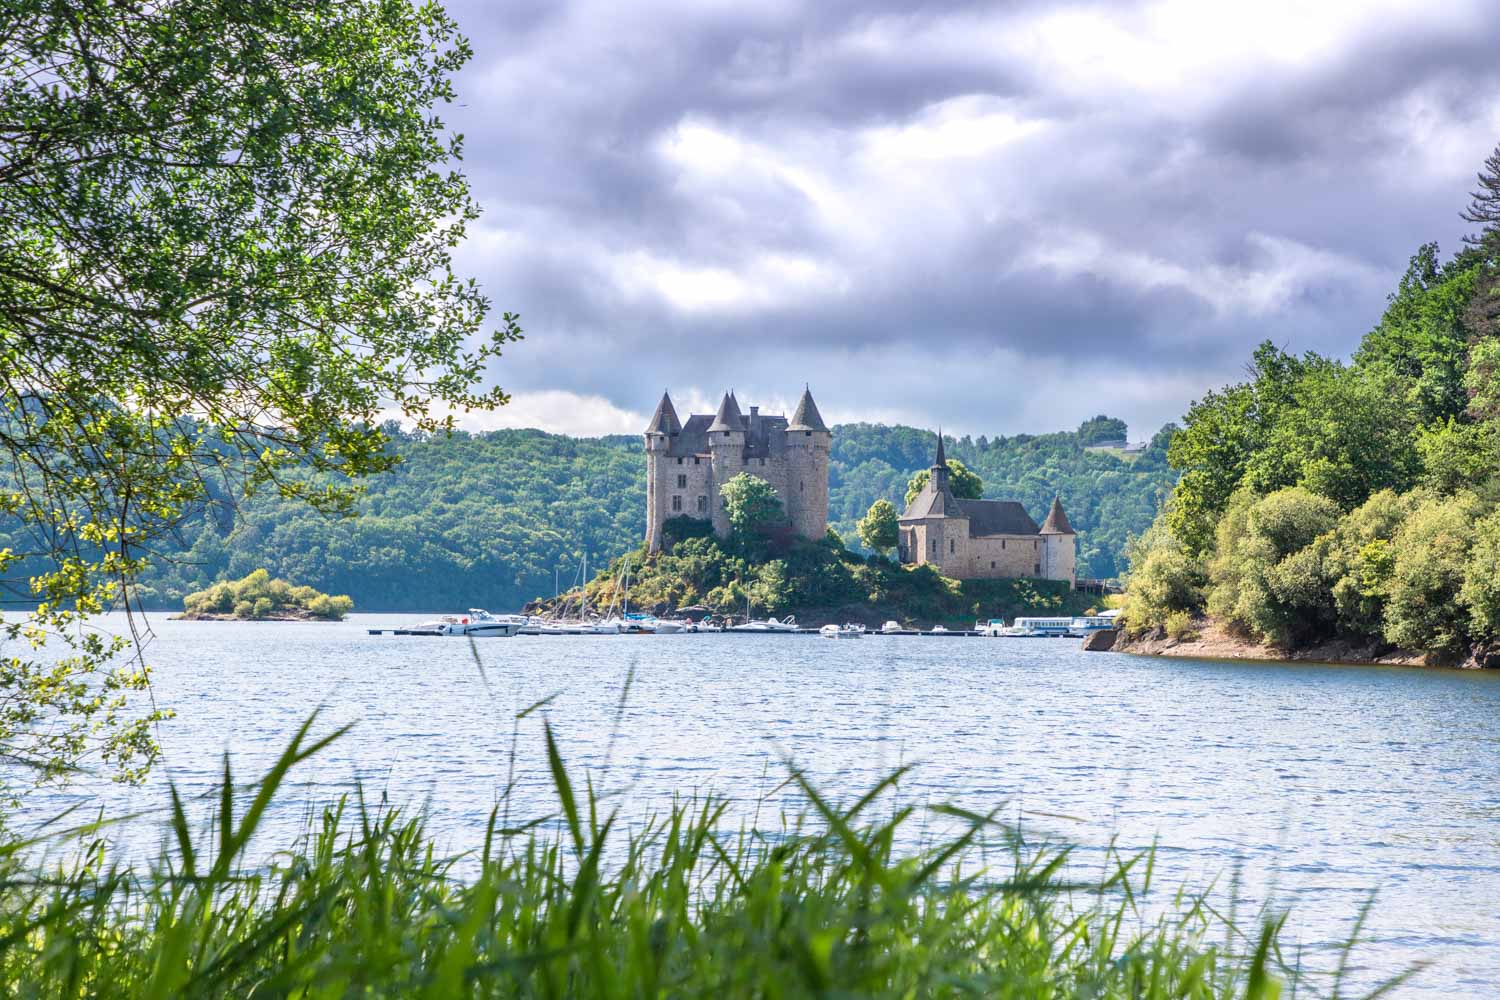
984,539
687,464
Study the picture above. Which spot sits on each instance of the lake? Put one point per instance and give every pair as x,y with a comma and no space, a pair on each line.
1321,783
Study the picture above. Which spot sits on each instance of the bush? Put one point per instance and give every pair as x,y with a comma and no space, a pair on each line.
259,596
1266,574
1481,589
1163,578
1424,609
1179,625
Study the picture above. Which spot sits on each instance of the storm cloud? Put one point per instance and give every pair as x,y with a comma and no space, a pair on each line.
999,218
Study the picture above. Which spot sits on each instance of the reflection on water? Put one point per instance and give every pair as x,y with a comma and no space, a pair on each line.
1323,783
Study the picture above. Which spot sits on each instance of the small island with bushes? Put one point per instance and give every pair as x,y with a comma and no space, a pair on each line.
259,597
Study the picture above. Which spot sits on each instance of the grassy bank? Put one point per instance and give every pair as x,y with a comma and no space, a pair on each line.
579,905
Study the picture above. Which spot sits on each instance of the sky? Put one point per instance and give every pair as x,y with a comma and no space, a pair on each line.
998,218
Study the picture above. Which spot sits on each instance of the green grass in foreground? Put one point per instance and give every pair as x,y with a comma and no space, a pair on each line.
578,906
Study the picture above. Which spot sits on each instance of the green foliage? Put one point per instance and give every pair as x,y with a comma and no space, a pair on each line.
880,528
1356,501
1481,588
1482,380
1358,559
1423,607
963,482
227,251
1101,429
684,904
817,579
1165,578
258,596
1265,577
1179,626
683,527
751,503
1421,338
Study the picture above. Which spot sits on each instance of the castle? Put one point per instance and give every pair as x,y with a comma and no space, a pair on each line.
688,464
984,539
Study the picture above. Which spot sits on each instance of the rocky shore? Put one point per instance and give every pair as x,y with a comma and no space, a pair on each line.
1211,640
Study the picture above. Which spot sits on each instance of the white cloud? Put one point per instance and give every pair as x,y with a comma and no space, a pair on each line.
553,410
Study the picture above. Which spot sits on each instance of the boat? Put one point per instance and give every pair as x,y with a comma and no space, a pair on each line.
938,630
1086,625
789,624
993,627
1044,628
892,628
841,632
478,623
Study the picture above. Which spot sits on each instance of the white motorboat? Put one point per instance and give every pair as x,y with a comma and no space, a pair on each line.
788,624
892,628
841,632
937,630
477,623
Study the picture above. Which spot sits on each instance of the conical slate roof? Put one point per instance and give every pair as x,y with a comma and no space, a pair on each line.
1057,521
807,417
664,420
728,418
941,462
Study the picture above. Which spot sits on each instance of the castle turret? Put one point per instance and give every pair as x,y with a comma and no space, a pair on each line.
808,445
662,428
1059,545
726,445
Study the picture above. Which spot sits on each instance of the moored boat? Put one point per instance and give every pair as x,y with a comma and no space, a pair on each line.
477,623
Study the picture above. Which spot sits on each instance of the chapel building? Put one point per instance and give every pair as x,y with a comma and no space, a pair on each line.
984,539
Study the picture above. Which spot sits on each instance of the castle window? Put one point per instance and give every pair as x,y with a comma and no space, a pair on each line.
682,482
1002,543
934,546
992,564
1038,570
1033,544
800,485
807,433
679,461
702,505
762,463
676,503
697,460
950,546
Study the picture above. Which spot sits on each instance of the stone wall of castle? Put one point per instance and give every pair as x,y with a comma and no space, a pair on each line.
691,485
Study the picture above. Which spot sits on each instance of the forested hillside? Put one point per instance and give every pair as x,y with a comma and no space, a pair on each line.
1361,501
487,519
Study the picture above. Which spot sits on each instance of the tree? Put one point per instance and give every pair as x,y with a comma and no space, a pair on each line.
1164,579
1484,206
965,484
1266,575
1430,558
880,528
751,503
226,258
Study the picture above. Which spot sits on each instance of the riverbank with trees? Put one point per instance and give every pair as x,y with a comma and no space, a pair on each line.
1356,503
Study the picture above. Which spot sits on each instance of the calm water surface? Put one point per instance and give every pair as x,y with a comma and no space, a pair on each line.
1321,783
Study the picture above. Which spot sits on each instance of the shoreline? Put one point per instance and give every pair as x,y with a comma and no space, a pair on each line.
1214,642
